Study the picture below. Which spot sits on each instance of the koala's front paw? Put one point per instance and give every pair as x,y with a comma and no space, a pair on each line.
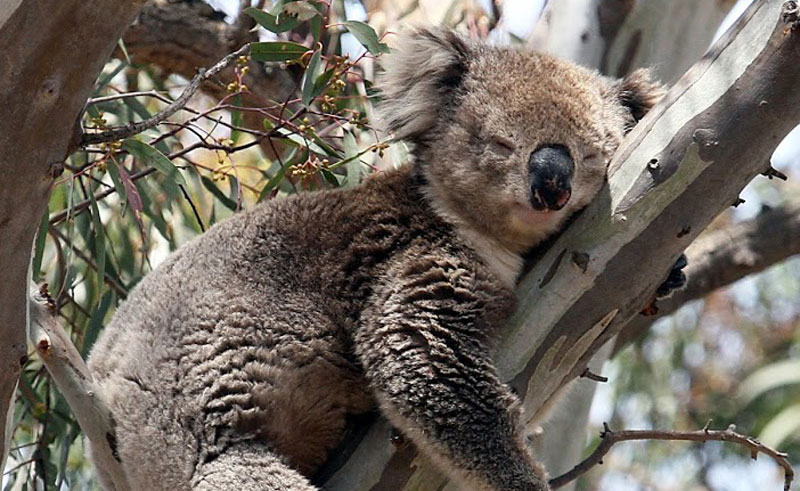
676,279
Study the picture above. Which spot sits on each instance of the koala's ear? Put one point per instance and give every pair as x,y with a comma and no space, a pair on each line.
420,79
638,92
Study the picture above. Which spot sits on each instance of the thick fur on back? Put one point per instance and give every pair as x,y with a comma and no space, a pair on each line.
235,363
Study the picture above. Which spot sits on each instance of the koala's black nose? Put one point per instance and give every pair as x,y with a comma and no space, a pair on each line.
550,168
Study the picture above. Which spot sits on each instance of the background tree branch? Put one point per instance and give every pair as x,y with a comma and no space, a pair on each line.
610,438
52,53
723,256
679,168
180,37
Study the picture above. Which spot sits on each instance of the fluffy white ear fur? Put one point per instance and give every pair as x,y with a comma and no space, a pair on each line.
638,92
419,78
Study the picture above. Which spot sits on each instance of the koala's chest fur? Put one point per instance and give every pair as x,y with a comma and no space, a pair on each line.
248,332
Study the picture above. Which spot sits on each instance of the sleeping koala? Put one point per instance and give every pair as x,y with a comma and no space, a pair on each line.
235,363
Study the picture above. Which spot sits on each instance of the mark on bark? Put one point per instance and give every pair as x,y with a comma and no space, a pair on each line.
552,271
581,260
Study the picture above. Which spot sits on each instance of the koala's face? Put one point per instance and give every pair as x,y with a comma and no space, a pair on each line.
512,142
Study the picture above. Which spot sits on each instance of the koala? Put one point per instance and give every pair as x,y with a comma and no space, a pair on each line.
236,363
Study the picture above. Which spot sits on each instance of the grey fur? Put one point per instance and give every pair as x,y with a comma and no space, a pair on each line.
234,364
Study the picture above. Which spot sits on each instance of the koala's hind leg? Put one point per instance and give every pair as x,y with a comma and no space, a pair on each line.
248,466
424,353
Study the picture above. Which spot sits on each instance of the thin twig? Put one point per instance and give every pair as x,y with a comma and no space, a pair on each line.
609,438
593,376
125,95
133,128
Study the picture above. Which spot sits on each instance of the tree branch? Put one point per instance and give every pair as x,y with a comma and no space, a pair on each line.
680,167
51,55
179,37
71,375
133,128
724,256
609,438
616,36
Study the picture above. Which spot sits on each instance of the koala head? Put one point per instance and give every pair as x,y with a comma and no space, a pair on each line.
511,142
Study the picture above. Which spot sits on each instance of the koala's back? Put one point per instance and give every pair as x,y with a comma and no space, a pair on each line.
246,332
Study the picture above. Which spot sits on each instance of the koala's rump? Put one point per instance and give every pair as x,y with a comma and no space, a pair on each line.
200,357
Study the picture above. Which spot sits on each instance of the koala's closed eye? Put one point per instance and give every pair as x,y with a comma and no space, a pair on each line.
502,145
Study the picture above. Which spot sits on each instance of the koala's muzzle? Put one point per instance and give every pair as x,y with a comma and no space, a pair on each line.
550,168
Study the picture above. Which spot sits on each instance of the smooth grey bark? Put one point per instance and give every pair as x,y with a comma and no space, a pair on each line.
616,36
724,256
50,54
681,166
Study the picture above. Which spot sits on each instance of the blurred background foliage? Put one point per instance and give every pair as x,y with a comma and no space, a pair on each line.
119,209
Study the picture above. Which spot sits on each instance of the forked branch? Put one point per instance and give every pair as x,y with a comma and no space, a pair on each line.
609,438
134,128
72,376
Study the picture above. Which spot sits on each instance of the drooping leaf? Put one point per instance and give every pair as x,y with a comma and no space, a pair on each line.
274,23
99,242
352,163
212,187
312,72
769,377
292,159
151,156
134,199
367,36
96,322
782,426
38,251
277,51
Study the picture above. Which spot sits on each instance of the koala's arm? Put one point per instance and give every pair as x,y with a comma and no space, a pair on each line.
423,347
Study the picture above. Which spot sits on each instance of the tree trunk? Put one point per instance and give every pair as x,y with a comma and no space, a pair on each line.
52,52
679,168
615,37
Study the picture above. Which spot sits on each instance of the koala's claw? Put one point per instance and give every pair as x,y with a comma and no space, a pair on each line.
676,279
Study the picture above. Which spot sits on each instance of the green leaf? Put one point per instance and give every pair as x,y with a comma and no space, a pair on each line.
212,187
96,322
99,242
113,171
785,424
38,251
351,163
278,177
106,78
274,23
769,377
152,156
367,36
312,72
277,51
302,11
322,81
332,178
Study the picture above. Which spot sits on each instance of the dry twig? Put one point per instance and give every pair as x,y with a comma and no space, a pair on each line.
134,128
609,438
